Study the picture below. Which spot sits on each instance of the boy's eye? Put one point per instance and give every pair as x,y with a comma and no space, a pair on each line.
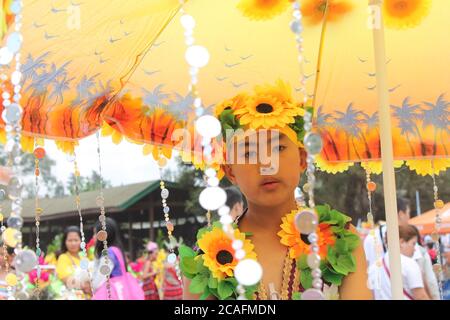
250,154
278,148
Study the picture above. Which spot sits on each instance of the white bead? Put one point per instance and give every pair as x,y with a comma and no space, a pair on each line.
224,210
226,219
6,56
187,21
248,272
239,254
237,244
212,198
208,126
213,182
197,56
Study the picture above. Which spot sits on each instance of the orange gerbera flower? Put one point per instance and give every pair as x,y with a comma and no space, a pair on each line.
298,244
314,10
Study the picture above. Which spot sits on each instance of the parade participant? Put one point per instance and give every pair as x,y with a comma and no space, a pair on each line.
148,274
269,191
413,285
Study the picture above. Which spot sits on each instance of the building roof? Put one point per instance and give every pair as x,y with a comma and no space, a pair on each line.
117,199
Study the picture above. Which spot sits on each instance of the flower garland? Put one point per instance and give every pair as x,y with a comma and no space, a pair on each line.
270,107
336,246
211,268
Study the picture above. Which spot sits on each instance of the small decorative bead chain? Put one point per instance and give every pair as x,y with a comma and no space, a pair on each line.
307,219
84,262
172,257
103,236
438,205
39,154
12,115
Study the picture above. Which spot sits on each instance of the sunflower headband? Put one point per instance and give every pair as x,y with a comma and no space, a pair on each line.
269,107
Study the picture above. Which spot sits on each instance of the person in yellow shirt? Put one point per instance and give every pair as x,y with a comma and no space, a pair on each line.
68,267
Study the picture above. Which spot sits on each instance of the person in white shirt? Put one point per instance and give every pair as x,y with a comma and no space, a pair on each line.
375,242
423,259
379,273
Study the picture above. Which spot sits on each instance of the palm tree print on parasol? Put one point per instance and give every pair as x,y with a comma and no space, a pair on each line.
350,122
437,115
407,116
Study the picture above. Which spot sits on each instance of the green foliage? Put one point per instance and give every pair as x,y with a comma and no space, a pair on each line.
89,183
55,245
229,121
339,260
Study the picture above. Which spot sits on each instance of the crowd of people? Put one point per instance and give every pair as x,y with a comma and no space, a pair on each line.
71,274
418,256
74,273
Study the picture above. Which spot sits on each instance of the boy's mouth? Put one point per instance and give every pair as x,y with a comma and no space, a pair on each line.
270,183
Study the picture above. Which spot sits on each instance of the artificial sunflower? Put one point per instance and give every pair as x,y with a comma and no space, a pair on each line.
376,167
332,167
108,130
262,9
401,14
298,244
28,143
235,103
428,167
314,10
66,146
218,252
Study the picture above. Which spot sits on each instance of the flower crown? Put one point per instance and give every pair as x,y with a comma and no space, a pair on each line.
269,107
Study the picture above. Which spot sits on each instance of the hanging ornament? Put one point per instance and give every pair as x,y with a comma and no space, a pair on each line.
307,220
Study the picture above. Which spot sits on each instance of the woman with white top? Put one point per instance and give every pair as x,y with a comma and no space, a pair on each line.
379,273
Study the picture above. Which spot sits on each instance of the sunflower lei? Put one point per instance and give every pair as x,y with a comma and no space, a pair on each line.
336,246
211,268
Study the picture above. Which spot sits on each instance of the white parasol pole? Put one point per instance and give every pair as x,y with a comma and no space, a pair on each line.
387,157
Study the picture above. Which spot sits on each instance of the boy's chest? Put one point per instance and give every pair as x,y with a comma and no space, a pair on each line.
271,255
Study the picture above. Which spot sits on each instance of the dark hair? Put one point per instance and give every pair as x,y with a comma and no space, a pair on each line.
64,238
403,204
407,232
233,196
113,238
419,238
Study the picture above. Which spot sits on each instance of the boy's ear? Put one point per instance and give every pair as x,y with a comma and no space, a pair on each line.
302,154
229,173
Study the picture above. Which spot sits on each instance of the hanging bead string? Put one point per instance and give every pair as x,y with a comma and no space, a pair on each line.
12,115
371,187
39,154
214,197
438,205
102,235
307,219
172,257
84,262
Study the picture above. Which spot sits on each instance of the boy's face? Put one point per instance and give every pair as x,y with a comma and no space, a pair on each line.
266,183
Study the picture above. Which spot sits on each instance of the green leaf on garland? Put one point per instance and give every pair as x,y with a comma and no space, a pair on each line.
185,251
341,246
205,295
212,282
306,278
201,232
353,240
296,296
188,266
224,289
198,284
332,277
302,262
